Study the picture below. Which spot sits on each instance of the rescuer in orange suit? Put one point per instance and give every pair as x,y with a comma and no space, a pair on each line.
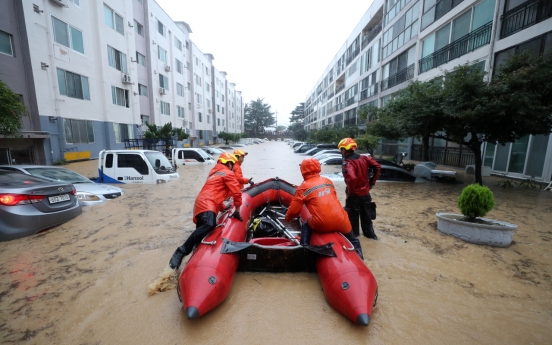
319,195
221,183
355,169
240,156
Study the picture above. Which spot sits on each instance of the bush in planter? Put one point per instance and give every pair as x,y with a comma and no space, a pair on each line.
476,201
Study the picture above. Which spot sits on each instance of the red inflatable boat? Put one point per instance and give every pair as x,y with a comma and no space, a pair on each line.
205,281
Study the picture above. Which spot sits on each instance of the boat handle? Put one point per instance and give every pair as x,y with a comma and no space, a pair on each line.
345,248
221,224
212,243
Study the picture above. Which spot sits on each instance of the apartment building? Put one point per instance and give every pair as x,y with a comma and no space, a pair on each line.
398,41
93,73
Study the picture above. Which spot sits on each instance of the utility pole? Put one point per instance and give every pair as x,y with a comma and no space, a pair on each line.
276,128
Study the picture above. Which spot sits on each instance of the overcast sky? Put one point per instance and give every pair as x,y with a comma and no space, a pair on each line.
271,49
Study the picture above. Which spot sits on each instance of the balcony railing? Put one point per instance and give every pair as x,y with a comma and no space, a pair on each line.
353,55
350,122
371,35
461,46
369,92
525,15
397,78
339,88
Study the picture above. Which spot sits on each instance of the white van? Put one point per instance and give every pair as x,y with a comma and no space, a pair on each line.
190,156
134,167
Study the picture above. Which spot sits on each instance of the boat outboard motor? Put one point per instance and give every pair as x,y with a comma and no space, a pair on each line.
265,227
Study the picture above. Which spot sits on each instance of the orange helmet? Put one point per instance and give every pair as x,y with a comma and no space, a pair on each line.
225,157
347,144
238,153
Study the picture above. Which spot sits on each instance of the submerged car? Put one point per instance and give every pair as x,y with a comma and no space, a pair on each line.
213,151
88,192
30,204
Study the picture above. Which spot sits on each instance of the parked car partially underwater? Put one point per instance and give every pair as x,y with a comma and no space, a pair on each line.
88,192
390,171
30,204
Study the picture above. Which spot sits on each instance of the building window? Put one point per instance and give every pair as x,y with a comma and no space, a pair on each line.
116,59
123,131
180,89
162,54
189,106
538,45
143,90
223,98
145,119
73,85
401,32
180,111
465,33
399,69
187,45
76,2
165,108
163,81
179,66
207,87
223,110
138,28
6,43
208,119
141,59
68,36
218,122
78,131
369,86
113,20
435,9
393,8
161,28
177,44
199,98
200,117
119,96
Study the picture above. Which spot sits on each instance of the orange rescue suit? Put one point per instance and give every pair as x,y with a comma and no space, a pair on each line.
220,185
239,175
319,195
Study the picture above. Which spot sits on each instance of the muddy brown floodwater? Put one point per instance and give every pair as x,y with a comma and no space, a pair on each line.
85,282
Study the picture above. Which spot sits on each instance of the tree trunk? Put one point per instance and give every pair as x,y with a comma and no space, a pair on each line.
475,146
425,148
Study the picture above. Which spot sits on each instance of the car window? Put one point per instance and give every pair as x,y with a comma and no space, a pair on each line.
164,164
8,178
133,161
58,174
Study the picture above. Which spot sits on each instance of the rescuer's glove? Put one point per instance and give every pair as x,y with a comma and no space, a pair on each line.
237,215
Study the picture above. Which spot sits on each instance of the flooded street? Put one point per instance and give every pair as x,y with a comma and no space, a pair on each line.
86,281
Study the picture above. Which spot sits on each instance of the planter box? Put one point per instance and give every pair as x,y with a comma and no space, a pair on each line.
499,234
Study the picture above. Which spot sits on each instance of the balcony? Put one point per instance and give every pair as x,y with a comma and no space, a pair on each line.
397,78
461,46
525,15
369,92
369,37
353,55
339,88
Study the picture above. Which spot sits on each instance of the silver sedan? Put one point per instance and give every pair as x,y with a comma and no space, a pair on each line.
88,192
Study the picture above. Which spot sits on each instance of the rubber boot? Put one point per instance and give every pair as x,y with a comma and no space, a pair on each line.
177,257
355,242
306,232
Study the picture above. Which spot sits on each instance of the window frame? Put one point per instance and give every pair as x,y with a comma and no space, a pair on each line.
114,16
69,35
89,131
10,39
85,87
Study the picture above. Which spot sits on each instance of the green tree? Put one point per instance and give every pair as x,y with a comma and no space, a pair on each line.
229,136
257,117
415,112
298,114
298,131
11,112
280,128
166,131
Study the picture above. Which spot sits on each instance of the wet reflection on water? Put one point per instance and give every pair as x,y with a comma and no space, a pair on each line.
85,282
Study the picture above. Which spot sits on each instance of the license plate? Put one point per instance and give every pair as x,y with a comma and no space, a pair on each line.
58,198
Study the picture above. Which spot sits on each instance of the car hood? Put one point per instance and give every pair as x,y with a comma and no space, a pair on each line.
97,188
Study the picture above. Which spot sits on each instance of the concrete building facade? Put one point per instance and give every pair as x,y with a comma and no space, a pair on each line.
398,41
93,73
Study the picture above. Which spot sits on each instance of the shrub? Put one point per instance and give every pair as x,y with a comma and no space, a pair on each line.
61,161
476,201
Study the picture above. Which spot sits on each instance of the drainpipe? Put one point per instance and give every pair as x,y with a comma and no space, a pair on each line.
495,31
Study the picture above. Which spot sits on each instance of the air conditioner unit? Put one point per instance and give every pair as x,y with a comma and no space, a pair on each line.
126,78
162,91
167,68
61,3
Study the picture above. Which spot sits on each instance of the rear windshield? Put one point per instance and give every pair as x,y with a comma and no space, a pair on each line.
58,175
8,178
